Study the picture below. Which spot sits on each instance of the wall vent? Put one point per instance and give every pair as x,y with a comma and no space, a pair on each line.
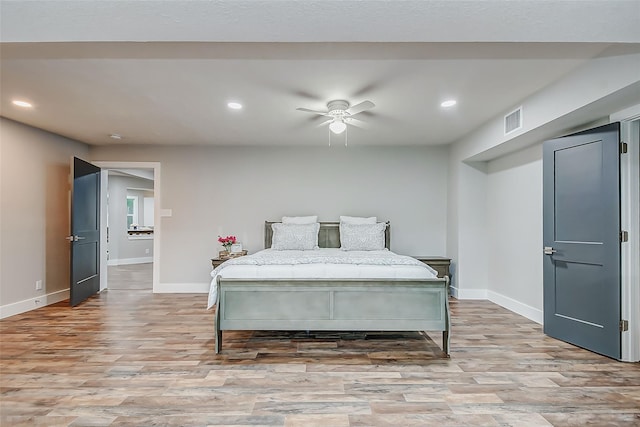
513,121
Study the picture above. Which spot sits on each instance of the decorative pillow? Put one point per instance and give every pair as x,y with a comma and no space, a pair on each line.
362,237
300,219
358,220
299,237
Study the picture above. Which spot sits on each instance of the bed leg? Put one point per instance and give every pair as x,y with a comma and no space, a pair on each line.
445,342
445,334
218,340
218,331
216,320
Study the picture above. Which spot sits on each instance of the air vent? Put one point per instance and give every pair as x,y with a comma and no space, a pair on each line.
513,121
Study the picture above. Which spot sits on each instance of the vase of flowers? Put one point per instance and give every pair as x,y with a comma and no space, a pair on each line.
226,242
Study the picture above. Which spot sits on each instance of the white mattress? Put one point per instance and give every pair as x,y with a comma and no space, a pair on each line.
366,265
326,271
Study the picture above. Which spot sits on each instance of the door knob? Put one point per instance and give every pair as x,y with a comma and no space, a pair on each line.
548,250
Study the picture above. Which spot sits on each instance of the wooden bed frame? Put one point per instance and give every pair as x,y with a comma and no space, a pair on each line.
332,304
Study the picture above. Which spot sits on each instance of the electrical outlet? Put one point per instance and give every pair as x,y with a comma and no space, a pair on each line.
38,285
146,251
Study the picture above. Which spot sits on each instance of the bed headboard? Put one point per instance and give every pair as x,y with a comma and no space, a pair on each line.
328,236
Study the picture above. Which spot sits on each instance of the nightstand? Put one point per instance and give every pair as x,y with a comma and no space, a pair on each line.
440,264
215,262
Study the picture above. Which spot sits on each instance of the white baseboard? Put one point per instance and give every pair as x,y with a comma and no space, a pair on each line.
517,307
33,303
181,288
129,261
469,293
510,304
453,291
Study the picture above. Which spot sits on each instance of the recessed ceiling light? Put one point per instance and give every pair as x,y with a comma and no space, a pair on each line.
115,136
449,103
23,104
234,105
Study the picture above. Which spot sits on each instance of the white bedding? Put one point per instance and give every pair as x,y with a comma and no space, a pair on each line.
326,263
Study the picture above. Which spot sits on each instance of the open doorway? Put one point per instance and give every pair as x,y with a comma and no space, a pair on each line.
130,229
130,225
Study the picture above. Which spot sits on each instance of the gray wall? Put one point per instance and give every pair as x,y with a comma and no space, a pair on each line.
225,190
34,206
514,221
120,247
495,184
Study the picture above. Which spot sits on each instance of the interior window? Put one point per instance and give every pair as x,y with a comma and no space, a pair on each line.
132,211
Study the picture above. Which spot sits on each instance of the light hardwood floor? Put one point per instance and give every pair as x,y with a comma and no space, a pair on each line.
132,358
134,276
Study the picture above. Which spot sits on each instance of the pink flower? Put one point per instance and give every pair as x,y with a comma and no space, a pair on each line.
227,241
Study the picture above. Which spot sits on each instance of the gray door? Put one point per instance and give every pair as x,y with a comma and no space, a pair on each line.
581,233
85,231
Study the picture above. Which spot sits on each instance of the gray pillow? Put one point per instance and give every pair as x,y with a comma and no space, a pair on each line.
299,237
362,237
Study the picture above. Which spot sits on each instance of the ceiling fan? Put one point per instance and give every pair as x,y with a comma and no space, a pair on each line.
341,113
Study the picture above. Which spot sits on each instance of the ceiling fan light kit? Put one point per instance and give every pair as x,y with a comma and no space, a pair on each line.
337,126
340,113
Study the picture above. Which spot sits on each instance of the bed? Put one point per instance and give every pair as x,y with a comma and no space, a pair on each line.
305,292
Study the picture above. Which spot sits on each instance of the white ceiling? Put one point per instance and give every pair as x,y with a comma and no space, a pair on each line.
96,68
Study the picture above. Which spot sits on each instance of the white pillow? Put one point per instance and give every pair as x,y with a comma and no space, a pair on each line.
358,219
300,219
299,237
362,237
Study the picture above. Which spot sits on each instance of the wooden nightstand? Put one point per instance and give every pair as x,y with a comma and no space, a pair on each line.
215,262
438,263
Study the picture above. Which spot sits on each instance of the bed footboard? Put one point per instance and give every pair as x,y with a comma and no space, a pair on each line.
333,305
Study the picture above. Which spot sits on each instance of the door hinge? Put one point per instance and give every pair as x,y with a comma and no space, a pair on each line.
624,236
623,148
624,325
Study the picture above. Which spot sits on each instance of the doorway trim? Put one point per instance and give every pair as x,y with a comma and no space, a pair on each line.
155,166
630,221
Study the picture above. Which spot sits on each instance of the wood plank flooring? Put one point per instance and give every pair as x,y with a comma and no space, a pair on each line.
132,358
133,276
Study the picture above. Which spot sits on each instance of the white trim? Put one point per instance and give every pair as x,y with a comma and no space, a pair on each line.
628,114
140,237
469,293
104,186
157,229
182,288
517,307
33,303
129,261
630,221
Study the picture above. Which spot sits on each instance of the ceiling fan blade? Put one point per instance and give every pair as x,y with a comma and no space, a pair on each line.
358,123
352,119
326,122
359,108
306,110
